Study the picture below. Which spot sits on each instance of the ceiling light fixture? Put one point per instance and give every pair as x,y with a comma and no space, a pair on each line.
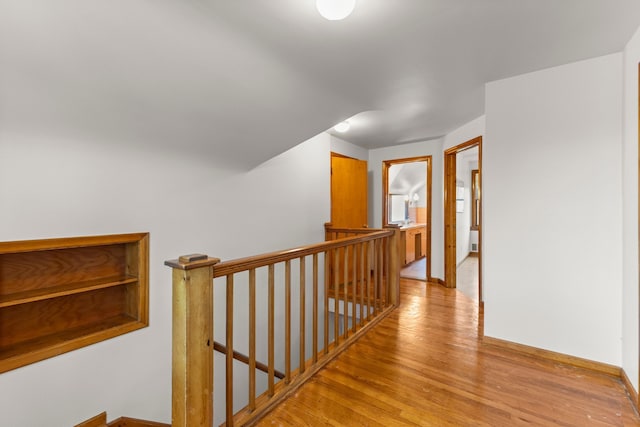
342,127
335,10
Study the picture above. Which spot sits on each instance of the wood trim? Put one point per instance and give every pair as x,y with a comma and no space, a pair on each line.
99,420
450,220
578,362
69,242
480,294
553,356
436,281
134,422
334,154
328,228
385,202
464,146
428,250
221,348
242,264
631,392
637,401
189,262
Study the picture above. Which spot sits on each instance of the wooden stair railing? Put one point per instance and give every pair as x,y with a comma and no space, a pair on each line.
245,359
365,290
333,233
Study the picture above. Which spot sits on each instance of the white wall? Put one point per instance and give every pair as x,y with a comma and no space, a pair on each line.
468,131
426,148
348,149
630,317
52,187
552,241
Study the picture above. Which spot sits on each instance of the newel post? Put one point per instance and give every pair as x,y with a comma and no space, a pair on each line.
192,358
328,234
394,264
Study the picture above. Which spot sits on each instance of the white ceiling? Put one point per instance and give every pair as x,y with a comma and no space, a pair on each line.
240,81
407,178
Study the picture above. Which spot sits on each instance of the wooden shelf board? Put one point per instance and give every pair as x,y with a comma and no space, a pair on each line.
69,242
35,350
63,290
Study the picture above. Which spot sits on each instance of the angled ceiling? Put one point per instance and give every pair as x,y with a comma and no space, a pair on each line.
406,178
238,82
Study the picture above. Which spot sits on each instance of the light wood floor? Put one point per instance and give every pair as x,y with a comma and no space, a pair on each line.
425,365
416,270
467,275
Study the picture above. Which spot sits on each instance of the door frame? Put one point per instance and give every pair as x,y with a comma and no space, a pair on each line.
386,164
631,388
450,264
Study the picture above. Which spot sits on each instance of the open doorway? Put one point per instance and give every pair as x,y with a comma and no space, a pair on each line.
463,217
407,203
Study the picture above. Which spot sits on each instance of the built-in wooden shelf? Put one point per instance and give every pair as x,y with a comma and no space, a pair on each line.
58,295
63,290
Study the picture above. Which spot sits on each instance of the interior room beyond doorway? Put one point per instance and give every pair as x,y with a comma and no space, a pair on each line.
407,203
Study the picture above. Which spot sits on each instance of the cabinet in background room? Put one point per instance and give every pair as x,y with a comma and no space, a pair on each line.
413,243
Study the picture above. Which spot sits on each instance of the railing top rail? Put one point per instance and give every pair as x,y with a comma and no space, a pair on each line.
352,230
243,264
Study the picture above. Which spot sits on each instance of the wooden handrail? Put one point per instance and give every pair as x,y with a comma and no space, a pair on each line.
226,268
328,227
360,287
220,348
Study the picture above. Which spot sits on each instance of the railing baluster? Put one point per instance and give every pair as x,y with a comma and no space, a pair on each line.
376,245
354,287
387,272
390,267
336,299
393,258
362,282
369,259
287,322
271,343
303,274
327,278
345,285
380,276
315,308
229,356
252,339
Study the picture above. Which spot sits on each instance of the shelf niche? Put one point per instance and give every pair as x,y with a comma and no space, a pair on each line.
57,295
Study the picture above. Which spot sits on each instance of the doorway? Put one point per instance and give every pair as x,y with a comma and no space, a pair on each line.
462,200
406,199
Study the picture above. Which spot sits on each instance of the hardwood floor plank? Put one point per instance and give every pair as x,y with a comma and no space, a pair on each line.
426,365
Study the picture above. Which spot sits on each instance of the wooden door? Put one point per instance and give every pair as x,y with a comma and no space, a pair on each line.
348,210
348,192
